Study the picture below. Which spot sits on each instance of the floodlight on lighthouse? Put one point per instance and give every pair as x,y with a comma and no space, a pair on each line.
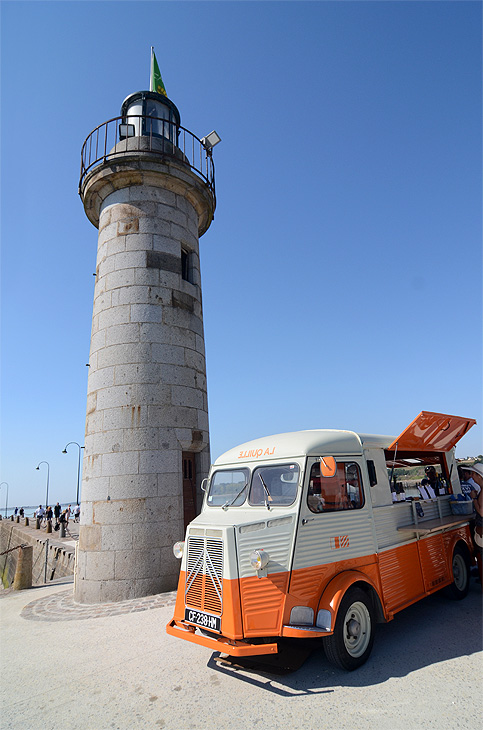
127,130
210,140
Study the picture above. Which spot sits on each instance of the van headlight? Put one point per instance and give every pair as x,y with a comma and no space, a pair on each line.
178,550
259,559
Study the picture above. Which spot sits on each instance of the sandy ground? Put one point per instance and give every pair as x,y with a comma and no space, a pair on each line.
124,672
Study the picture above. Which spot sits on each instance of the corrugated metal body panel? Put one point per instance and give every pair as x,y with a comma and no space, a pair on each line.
209,530
327,538
462,533
262,603
433,562
401,577
275,536
387,520
432,507
305,584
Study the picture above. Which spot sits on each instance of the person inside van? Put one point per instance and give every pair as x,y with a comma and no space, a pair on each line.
435,481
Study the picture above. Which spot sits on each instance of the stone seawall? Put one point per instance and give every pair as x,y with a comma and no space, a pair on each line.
60,557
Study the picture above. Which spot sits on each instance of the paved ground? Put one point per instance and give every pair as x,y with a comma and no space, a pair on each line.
109,667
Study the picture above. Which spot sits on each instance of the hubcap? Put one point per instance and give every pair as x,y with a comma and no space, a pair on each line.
459,572
357,629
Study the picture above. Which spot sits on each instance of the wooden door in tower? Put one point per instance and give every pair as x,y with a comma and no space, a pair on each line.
189,487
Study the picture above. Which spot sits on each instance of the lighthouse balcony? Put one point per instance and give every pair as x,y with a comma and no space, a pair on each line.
137,135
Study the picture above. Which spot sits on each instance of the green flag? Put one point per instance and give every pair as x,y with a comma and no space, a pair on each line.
156,80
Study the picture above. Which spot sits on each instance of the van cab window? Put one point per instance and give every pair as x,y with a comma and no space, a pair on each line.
274,485
228,487
342,490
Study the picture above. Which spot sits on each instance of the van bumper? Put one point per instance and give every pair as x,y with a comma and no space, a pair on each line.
233,648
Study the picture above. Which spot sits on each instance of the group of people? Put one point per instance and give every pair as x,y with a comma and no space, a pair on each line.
60,516
471,479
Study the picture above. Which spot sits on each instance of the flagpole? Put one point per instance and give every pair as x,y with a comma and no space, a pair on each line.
151,74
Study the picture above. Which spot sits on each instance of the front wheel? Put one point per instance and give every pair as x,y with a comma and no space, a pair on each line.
351,643
460,567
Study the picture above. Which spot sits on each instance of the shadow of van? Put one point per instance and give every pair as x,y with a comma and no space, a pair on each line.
431,631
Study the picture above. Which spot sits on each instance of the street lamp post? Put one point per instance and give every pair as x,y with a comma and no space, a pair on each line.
48,473
6,500
78,465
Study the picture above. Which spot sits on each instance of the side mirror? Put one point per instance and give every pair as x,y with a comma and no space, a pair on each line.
204,484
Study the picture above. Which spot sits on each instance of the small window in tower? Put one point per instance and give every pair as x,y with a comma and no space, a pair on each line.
186,266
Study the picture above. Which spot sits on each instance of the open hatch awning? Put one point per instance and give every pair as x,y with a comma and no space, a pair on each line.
432,432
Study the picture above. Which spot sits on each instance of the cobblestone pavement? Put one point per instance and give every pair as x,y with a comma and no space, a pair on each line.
62,607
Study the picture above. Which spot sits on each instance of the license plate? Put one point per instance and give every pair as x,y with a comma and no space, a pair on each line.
212,623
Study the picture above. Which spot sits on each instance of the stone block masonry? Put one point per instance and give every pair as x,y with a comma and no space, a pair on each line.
147,398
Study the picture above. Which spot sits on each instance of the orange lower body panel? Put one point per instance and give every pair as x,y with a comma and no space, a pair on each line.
401,577
260,607
263,601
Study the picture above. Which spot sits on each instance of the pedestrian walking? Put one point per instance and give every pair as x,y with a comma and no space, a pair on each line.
77,513
68,513
57,511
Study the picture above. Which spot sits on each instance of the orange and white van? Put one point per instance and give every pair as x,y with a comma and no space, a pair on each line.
299,537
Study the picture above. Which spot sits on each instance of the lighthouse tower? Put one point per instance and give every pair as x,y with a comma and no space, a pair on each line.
147,184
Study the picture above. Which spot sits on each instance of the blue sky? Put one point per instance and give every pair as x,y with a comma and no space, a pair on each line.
342,272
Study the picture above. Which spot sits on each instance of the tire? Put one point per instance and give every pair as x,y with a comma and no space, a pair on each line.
351,643
460,566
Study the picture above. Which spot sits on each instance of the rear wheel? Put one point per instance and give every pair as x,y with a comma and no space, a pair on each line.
351,643
460,567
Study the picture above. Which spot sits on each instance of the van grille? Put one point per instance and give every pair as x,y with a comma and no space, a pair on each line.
204,575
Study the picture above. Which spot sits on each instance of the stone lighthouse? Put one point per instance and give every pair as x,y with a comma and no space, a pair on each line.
147,184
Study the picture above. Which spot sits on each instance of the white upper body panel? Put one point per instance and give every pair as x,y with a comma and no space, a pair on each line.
303,443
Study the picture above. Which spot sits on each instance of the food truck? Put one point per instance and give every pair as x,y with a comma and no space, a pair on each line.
299,537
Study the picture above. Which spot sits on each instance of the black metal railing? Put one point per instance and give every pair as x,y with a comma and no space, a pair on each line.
146,135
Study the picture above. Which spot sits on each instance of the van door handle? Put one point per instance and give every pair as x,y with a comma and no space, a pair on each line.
309,519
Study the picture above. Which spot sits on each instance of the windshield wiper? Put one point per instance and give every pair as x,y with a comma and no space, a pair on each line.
229,504
269,496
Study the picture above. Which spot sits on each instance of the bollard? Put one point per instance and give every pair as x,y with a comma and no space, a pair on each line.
23,572
46,559
26,522
37,523
49,527
17,519
62,529
11,517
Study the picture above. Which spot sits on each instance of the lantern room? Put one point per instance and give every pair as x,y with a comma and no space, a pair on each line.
149,114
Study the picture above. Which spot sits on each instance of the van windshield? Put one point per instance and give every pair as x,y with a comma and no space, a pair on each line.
228,487
274,485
